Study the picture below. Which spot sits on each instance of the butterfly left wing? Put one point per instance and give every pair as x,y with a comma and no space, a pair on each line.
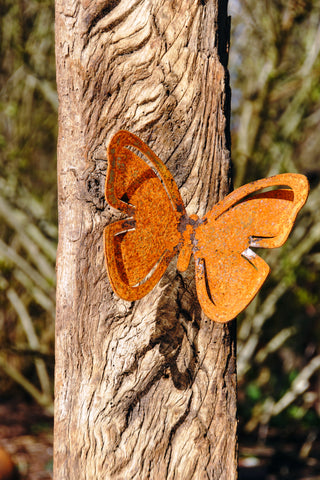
139,248
228,272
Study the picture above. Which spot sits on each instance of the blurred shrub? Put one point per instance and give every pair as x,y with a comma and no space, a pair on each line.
275,70
28,233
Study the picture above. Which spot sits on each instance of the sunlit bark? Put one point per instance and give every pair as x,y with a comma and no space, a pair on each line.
144,389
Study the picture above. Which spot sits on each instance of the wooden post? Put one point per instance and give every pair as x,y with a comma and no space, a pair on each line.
144,390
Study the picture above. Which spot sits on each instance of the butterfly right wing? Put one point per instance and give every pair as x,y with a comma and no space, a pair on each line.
228,272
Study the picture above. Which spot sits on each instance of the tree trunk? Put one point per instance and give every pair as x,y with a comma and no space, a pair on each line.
144,389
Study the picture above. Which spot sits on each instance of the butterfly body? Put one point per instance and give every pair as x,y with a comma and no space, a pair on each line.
139,248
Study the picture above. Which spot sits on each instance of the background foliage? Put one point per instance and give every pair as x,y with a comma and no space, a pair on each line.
28,231
275,70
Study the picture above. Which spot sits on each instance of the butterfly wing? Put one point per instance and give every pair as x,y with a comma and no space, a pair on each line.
228,272
139,248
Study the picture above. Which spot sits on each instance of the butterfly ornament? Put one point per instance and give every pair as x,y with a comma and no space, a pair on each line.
139,248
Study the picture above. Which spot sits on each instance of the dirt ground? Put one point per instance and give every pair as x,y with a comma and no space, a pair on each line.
26,433
284,456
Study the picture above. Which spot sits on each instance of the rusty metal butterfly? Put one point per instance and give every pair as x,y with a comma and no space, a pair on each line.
139,248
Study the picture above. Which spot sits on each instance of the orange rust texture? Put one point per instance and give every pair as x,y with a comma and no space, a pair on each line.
139,248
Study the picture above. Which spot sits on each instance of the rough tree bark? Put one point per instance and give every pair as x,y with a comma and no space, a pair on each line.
144,389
